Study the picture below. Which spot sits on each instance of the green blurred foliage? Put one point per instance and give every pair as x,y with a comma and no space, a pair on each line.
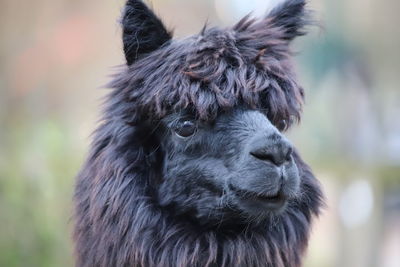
35,195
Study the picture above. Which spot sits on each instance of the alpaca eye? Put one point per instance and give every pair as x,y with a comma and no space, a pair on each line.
185,129
282,125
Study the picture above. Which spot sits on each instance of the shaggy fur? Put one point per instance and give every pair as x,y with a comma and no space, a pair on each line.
146,197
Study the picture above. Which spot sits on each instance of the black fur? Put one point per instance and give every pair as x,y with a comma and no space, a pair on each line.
291,16
143,32
147,197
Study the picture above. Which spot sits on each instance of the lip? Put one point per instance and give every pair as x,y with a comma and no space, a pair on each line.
270,202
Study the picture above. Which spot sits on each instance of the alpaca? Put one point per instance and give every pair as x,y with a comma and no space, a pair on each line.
189,165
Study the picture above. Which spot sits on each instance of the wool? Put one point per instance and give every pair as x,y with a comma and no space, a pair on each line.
122,217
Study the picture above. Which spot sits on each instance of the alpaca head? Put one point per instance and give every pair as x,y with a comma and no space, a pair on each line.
216,104
192,138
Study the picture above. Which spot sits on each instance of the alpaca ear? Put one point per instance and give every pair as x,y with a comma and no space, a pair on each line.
290,17
143,31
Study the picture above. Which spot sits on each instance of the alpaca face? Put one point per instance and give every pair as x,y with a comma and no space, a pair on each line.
238,166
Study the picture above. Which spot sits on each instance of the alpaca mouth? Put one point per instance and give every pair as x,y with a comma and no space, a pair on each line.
279,197
271,202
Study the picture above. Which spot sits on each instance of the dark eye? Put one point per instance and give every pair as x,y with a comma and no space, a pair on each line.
282,125
185,128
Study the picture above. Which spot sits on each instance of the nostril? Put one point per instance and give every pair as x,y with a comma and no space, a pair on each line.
288,156
261,155
274,149
274,156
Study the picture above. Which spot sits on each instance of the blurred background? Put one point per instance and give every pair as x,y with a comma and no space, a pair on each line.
56,55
